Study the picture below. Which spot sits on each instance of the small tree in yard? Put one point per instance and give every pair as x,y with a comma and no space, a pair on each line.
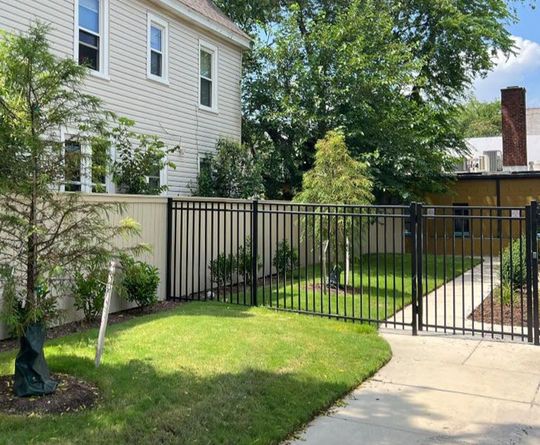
336,178
45,236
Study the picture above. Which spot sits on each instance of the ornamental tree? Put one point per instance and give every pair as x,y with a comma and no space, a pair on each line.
336,178
45,236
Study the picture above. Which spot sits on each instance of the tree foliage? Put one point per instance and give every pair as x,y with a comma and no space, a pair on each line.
45,236
336,178
390,72
139,161
232,172
480,119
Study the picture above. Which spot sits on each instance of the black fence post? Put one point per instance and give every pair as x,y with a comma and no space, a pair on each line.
534,270
420,268
414,264
254,251
168,274
528,268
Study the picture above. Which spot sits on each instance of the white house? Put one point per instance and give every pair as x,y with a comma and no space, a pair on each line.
173,66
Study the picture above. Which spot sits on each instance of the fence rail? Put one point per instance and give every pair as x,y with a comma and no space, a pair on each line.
430,268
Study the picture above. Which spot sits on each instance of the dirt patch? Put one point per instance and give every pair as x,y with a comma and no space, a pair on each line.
503,314
72,395
78,326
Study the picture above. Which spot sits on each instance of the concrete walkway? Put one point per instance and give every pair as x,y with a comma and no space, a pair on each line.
441,390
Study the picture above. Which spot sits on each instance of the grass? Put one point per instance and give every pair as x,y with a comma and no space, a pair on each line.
204,373
382,286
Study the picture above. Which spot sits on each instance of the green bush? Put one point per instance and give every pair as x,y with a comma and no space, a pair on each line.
222,268
232,172
89,290
244,261
140,282
514,267
285,257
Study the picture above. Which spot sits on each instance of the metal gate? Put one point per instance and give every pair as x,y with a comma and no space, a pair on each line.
460,270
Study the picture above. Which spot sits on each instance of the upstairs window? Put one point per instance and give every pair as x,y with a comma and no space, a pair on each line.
91,34
157,48
208,76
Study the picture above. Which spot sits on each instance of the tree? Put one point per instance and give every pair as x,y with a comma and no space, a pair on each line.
391,73
480,119
336,178
44,235
233,172
140,159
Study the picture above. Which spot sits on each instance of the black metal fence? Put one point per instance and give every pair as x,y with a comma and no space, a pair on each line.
456,269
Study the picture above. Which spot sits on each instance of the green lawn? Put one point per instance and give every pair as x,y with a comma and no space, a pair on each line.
205,373
382,285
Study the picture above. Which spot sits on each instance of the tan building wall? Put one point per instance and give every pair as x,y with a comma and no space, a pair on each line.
490,230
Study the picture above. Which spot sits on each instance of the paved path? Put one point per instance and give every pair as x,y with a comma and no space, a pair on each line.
441,390
452,303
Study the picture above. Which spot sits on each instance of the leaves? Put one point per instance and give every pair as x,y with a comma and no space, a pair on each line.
140,159
390,73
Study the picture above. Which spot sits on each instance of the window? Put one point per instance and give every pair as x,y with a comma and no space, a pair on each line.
157,49
85,167
461,220
73,167
208,76
91,35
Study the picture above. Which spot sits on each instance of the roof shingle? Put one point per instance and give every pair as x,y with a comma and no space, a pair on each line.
208,9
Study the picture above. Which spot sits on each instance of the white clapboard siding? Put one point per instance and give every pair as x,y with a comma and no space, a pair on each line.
169,111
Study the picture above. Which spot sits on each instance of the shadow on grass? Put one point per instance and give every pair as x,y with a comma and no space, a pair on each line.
142,405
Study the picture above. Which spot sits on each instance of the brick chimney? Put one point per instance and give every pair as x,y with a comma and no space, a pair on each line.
514,128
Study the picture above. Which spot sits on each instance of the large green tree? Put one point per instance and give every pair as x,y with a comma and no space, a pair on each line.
480,119
391,72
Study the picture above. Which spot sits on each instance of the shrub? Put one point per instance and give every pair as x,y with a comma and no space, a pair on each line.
89,290
140,282
222,268
233,172
285,258
514,266
244,261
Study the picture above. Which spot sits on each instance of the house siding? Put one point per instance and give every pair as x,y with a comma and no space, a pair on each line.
169,111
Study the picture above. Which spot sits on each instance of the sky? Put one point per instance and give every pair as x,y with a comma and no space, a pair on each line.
523,69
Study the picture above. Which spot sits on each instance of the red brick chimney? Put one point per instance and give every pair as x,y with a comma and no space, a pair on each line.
514,128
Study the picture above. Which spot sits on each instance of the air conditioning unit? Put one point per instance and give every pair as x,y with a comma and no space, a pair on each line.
495,162
479,164
534,166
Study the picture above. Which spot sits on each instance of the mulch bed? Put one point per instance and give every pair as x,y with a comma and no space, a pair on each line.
509,313
72,395
78,326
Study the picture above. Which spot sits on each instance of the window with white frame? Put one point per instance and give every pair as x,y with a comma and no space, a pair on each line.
85,168
73,167
91,30
208,76
157,48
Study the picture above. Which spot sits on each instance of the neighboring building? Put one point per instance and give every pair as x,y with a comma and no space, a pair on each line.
501,170
173,66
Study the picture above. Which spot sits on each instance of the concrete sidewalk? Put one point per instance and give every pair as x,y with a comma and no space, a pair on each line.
441,390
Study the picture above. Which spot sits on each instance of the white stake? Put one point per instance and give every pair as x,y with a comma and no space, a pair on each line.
347,262
105,313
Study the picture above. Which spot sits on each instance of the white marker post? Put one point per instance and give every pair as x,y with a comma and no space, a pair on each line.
105,313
